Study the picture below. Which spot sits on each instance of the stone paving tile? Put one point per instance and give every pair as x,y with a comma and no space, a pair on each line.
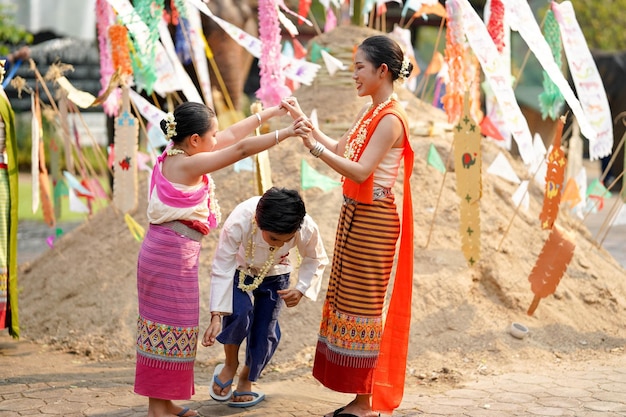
89,389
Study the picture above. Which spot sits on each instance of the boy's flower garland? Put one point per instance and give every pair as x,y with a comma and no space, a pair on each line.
269,263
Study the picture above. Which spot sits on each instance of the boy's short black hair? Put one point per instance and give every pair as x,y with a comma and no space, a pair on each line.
280,210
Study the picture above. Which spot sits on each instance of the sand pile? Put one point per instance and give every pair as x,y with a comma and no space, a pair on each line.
81,295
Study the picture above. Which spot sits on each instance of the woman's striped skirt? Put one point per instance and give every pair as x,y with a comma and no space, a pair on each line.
351,327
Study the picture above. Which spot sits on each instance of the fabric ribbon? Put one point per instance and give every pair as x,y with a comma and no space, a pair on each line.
169,195
389,375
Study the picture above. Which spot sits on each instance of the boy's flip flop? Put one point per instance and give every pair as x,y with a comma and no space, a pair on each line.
221,384
258,397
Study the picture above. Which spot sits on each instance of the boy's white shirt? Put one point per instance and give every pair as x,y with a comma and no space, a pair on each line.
231,255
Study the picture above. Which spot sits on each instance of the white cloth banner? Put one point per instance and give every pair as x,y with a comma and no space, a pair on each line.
499,79
298,70
152,113
196,39
521,19
166,76
187,86
589,86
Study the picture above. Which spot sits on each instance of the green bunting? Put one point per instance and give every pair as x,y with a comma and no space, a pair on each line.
311,178
434,160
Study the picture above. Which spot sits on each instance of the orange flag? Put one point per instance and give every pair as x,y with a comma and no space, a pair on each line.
551,264
554,180
435,64
571,194
436,9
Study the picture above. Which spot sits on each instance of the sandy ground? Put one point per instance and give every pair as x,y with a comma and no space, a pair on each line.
81,297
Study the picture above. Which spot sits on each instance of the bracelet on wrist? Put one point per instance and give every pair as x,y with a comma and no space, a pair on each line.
317,150
258,116
276,136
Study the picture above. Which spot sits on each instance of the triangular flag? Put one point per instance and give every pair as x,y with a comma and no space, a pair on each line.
502,168
142,161
245,164
571,194
520,196
436,9
316,51
331,21
136,230
596,188
288,50
299,51
488,129
620,217
332,63
597,192
76,205
75,184
435,64
311,178
434,160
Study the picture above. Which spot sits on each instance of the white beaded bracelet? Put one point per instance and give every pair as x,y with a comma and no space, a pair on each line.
276,135
258,116
317,150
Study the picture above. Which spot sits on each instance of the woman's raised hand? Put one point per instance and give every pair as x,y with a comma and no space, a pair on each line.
292,106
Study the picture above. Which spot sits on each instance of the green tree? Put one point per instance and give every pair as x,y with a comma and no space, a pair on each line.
10,33
602,22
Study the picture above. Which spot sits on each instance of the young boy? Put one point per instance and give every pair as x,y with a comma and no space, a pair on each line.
249,278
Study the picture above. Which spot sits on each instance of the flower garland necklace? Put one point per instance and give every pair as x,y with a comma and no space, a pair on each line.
175,151
355,144
269,263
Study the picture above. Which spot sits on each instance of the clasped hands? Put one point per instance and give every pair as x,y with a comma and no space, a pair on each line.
302,125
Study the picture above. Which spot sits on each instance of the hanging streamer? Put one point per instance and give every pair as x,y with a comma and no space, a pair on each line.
125,165
554,180
551,264
468,165
591,92
498,77
551,100
273,87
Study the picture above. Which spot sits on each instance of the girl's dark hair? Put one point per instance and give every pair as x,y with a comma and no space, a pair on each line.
280,210
190,118
381,49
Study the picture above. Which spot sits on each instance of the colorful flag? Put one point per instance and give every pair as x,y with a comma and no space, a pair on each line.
434,160
311,178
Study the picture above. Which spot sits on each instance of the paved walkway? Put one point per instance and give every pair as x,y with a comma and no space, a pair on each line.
36,381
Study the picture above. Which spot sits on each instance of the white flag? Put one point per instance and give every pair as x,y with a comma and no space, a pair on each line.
520,196
332,64
502,168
